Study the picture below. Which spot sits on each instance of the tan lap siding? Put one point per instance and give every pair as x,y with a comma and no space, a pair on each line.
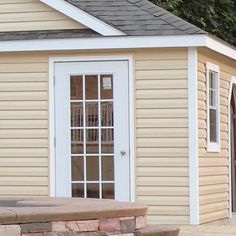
161,120
23,125
213,167
162,134
27,15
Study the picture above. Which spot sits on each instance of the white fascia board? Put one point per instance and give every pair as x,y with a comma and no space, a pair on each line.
83,17
118,42
220,47
102,43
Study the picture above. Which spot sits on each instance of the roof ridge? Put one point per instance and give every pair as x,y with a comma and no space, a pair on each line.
147,2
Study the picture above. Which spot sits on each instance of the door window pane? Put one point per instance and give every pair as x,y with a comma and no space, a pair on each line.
77,114
93,190
108,168
76,87
107,141
77,141
77,167
106,87
108,191
92,141
91,87
92,114
107,114
77,190
92,168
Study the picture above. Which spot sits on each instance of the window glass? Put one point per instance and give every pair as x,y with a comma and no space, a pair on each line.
213,128
213,109
213,88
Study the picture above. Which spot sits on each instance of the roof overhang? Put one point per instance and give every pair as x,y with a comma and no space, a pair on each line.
83,17
124,42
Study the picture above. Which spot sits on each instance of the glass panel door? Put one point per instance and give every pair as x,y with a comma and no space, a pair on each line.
92,158
92,130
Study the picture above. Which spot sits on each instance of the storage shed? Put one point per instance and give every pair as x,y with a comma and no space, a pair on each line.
117,99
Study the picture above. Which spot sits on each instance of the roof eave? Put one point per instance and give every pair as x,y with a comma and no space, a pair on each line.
220,46
119,42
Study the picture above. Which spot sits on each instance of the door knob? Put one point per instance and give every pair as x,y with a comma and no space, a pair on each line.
122,153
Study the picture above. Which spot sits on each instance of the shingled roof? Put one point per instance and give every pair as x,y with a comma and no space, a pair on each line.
137,17
48,34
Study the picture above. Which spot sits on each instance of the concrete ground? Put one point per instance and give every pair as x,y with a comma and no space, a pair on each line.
224,228
208,230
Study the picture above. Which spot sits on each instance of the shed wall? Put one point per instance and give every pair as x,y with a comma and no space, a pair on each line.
214,167
30,15
162,134
23,125
161,121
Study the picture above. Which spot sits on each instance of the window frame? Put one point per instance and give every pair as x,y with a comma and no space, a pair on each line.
213,146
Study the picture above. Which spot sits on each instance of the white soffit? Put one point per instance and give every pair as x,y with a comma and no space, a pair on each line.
83,17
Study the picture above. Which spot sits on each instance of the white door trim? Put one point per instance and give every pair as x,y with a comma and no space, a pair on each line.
52,61
232,82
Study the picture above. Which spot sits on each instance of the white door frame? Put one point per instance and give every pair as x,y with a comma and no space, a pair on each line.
232,82
51,97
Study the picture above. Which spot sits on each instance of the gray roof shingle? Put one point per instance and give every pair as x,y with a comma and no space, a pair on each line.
46,34
137,17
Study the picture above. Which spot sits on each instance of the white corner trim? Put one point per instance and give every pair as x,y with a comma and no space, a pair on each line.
213,147
83,17
232,82
193,136
115,57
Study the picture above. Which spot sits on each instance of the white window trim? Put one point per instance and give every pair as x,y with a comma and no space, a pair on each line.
52,61
213,146
83,17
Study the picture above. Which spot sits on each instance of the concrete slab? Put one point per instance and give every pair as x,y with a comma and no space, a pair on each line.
208,230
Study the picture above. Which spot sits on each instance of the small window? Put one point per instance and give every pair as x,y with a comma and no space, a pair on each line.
213,108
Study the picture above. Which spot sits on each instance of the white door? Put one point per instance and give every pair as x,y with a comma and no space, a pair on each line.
92,130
